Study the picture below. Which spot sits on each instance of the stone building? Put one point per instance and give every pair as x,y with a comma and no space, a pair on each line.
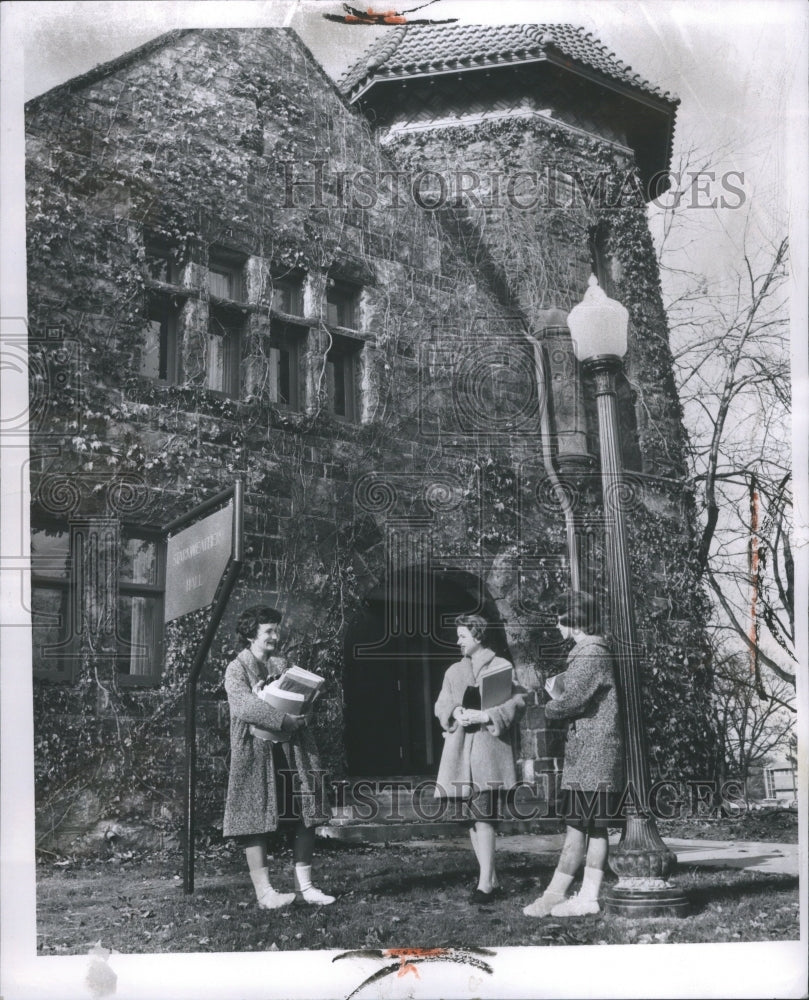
352,297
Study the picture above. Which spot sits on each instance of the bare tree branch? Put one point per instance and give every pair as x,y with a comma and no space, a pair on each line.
741,632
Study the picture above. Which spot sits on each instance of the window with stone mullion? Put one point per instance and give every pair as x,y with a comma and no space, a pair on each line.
163,275
141,592
284,351
342,378
54,647
159,353
342,304
223,352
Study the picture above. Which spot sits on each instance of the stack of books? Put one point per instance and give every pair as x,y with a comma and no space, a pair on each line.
294,691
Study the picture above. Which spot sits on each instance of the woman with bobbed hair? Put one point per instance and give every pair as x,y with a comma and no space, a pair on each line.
477,762
275,777
593,772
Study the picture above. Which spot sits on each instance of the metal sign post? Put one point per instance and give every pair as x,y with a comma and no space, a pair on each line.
197,558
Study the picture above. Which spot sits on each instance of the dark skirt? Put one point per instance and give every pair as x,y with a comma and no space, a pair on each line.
595,810
486,805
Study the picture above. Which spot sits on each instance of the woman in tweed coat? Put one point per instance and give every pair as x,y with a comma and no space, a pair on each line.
593,773
275,775
477,762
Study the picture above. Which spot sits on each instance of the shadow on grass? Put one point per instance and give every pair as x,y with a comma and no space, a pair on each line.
457,874
402,881
701,896
748,861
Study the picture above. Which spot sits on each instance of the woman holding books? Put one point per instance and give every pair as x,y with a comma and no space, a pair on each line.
275,775
593,772
478,708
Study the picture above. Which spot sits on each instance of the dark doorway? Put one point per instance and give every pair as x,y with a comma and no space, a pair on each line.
396,654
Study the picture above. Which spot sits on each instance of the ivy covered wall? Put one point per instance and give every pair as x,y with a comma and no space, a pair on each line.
233,146
577,205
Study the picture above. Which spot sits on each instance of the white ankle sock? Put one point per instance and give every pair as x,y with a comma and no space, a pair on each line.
303,876
559,884
261,880
591,883
309,893
268,898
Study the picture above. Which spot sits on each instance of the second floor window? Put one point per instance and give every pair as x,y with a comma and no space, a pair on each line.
285,348
342,378
226,322
224,351
287,296
159,344
159,352
226,280
342,304
161,265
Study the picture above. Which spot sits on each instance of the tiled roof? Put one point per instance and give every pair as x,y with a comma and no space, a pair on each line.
416,50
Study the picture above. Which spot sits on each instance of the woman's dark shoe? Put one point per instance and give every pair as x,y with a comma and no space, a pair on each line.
481,898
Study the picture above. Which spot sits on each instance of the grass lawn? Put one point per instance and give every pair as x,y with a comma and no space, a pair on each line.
388,896
774,825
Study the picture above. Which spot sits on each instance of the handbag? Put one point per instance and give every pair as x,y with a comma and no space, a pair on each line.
471,697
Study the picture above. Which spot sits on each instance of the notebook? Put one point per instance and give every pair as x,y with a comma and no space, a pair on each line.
495,686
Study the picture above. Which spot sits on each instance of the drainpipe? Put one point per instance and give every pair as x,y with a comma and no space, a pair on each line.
562,495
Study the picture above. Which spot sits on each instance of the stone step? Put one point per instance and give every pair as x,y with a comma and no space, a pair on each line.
379,833
406,800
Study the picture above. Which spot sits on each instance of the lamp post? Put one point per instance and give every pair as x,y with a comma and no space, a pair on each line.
642,862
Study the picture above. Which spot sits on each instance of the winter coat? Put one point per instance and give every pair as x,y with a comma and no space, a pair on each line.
594,751
251,806
483,755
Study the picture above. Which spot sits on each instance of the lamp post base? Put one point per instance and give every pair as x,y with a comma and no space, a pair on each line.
634,900
642,862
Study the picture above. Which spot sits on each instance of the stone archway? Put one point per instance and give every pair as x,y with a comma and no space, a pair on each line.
396,653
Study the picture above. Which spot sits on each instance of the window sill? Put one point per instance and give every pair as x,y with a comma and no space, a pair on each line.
342,420
349,332
297,319
232,305
216,394
169,288
197,399
285,411
160,383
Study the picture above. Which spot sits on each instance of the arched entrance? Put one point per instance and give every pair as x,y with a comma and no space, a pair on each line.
396,653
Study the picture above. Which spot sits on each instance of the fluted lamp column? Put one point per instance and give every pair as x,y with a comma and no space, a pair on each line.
642,862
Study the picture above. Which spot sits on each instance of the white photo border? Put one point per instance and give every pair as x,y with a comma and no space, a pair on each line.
772,969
